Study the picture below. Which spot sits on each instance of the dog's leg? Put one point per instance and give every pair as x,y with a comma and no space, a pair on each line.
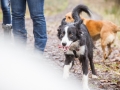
104,52
84,60
106,42
68,64
94,75
109,49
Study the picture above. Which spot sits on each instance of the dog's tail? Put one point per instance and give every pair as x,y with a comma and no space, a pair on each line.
78,10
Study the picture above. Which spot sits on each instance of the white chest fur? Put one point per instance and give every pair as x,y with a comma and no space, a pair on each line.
81,50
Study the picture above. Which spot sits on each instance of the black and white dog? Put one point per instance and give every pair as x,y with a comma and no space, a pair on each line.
77,34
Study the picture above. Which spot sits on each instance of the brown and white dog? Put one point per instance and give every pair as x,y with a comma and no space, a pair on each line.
98,29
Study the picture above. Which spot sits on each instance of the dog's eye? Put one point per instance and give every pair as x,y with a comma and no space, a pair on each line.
70,35
61,35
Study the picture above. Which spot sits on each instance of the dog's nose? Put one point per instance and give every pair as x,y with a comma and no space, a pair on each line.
64,44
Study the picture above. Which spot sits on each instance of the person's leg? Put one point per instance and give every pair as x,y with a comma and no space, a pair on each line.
36,8
18,20
6,11
6,25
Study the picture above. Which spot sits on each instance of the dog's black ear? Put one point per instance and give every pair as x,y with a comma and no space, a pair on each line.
77,24
63,22
59,28
59,31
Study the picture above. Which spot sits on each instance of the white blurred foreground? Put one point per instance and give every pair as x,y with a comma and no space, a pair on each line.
23,70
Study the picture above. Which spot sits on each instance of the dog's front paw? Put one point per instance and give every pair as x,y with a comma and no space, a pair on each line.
65,75
86,88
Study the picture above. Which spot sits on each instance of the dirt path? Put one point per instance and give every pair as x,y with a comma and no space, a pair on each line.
106,75
105,72
52,51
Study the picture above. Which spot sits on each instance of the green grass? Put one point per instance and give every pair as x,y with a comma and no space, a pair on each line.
113,15
52,7
1,16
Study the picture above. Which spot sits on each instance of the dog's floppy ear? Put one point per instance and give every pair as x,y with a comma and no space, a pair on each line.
59,28
77,24
59,31
63,22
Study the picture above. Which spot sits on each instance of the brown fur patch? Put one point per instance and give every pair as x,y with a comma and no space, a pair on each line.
98,29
